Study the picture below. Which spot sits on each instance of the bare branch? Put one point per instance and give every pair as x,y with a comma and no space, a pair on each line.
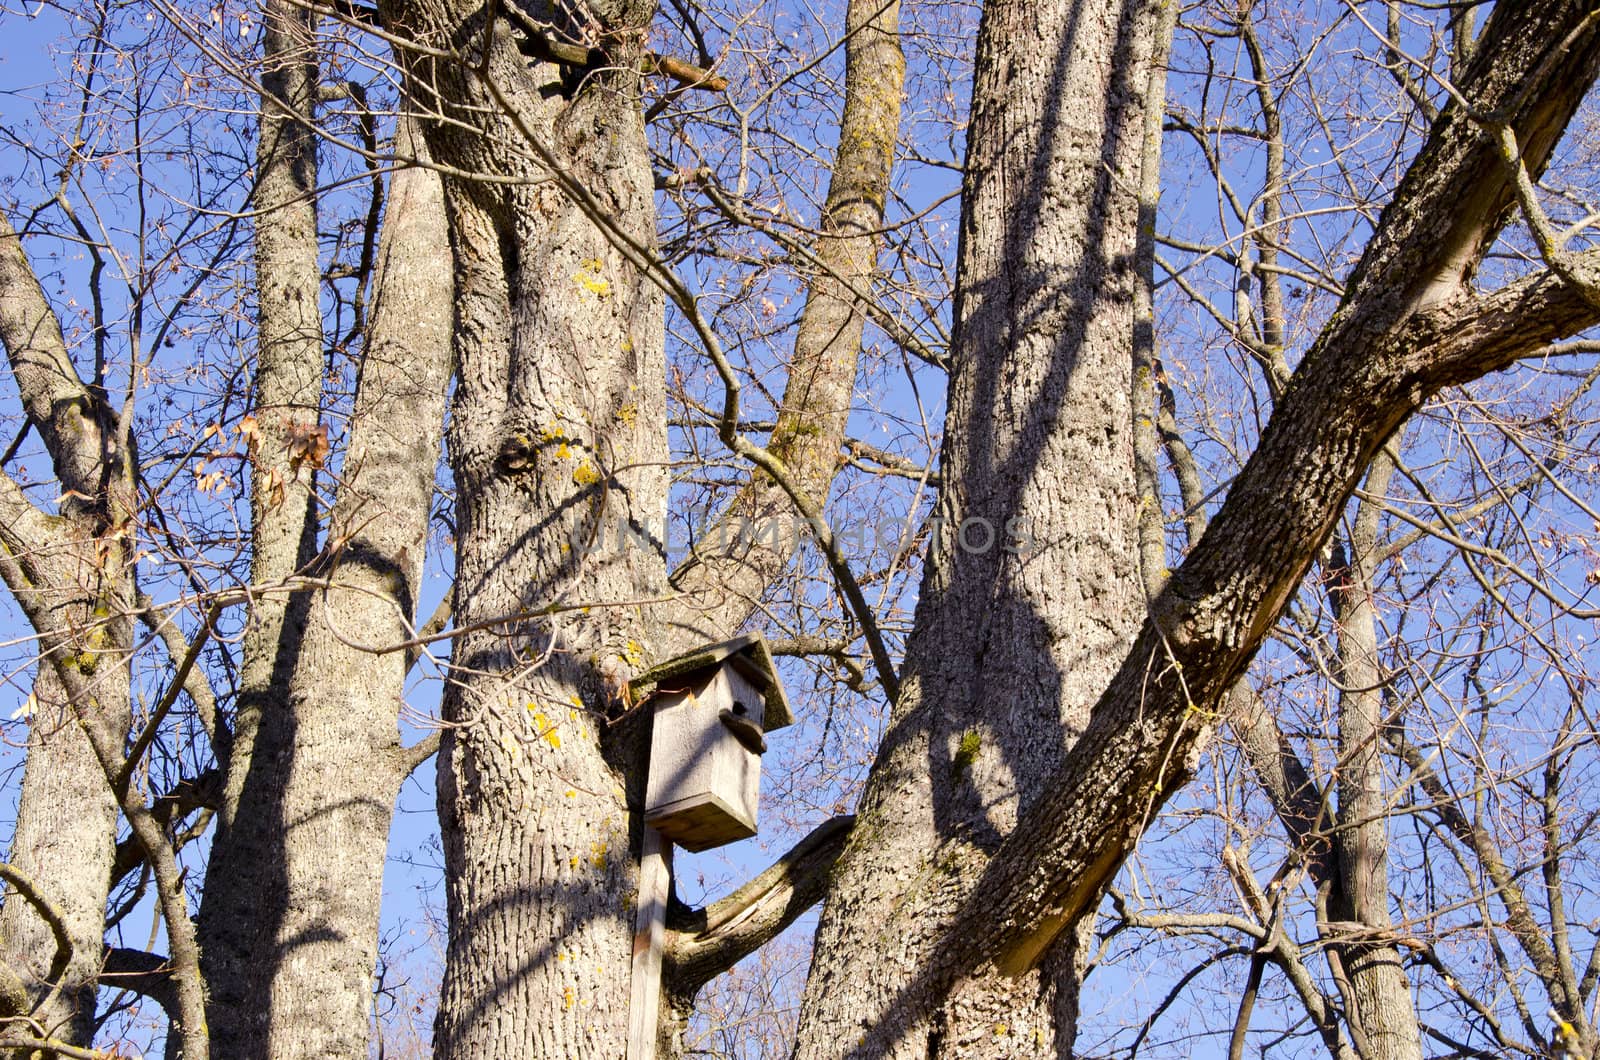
703,943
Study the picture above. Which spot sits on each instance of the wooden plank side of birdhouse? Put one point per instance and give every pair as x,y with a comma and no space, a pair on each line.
701,822
703,784
745,697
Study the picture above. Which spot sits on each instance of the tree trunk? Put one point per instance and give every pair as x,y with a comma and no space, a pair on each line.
68,574
723,588
238,948
1037,454
327,764
288,378
64,841
1409,326
558,447
1378,1001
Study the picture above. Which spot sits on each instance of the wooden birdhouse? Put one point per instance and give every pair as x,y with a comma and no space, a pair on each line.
712,710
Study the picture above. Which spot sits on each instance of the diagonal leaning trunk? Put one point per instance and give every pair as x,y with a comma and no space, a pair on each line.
1408,326
1037,534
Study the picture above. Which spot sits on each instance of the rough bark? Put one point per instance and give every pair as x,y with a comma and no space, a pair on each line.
1409,325
703,943
288,376
68,576
66,824
286,402
1368,967
292,934
286,408
1038,428
560,353
1377,1001
558,448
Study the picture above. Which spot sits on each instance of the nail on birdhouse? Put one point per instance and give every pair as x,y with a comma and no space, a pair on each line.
712,709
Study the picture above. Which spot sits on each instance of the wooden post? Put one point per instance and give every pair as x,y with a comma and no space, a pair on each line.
649,936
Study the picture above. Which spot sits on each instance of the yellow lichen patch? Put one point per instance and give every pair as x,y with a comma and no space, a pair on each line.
545,728
628,414
585,474
597,854
999,1030
567,998
633,654
590,279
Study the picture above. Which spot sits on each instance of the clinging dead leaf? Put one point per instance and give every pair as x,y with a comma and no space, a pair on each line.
307,444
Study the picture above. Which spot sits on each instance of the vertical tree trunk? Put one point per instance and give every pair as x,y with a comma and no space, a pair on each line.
1379,994
1037,453
1406,329
235,944
558,447
68,574
65,841
327,764
288,376
722,589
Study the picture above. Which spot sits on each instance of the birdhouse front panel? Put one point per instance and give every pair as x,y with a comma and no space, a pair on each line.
705,762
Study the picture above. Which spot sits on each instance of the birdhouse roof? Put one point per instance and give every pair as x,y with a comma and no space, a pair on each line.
749,654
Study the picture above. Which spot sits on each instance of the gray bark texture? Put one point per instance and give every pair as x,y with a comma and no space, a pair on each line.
237,931
1367,969
1409,325
288,377
723,588
67,574
70,574
1037,451
558,447
1378,999
291,934
64,839
234,927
